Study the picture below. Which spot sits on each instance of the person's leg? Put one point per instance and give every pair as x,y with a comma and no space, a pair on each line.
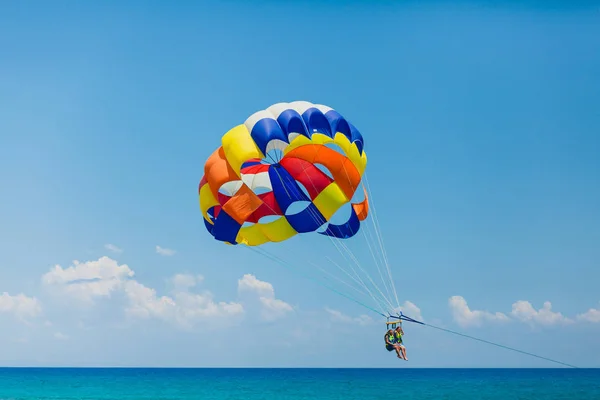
403,349
398,352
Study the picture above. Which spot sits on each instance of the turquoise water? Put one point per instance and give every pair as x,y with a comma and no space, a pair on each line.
267,384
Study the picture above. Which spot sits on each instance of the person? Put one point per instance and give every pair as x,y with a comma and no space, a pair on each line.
390,343
398,333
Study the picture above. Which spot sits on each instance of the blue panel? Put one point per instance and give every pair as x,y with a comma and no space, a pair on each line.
209,226
287,191
285,188
338,124
250,164
307,220
346,230
357,138
316,122
211,214
226,228
264,131
290,121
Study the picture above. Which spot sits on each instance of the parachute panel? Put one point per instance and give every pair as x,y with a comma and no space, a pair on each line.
239,147
330,200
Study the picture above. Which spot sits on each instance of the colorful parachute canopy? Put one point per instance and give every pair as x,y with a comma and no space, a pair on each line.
288,156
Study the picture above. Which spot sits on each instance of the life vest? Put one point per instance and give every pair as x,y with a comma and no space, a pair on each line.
398,337
391,338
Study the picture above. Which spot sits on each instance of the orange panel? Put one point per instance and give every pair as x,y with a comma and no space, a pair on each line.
344,172
362,209
242,204
218,171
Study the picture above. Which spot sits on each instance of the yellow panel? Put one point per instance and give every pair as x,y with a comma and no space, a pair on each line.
330,200
278,230
298,141
275,231
251,236
239,147
207,200
319,138
359,161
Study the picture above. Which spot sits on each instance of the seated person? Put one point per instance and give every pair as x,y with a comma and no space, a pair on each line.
398,333
390,343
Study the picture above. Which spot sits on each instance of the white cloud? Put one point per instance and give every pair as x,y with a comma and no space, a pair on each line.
105,277
113,248
250,283
20,305
183,308
410,310
272,307
185,281
86,281
275,308
464,316
164,251
338,316
592,315
524,311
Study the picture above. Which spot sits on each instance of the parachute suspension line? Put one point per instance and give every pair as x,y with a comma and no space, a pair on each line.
358,282
316,219
346,272
375,259
371,250
288,248
351,255
328,273
277,259
354,258
322,270
380,237
338,279
375,298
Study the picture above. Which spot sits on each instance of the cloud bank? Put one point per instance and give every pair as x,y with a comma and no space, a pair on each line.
522,311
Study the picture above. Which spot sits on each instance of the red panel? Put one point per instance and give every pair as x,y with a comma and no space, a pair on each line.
307,174
269,207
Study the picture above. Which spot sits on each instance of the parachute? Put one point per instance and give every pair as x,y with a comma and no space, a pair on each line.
291,169
300,168
252,187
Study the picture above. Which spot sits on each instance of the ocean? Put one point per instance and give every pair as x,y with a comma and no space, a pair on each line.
297,384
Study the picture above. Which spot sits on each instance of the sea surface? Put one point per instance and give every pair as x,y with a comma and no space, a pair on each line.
268,384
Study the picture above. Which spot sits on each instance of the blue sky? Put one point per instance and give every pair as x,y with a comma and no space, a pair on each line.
481,128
